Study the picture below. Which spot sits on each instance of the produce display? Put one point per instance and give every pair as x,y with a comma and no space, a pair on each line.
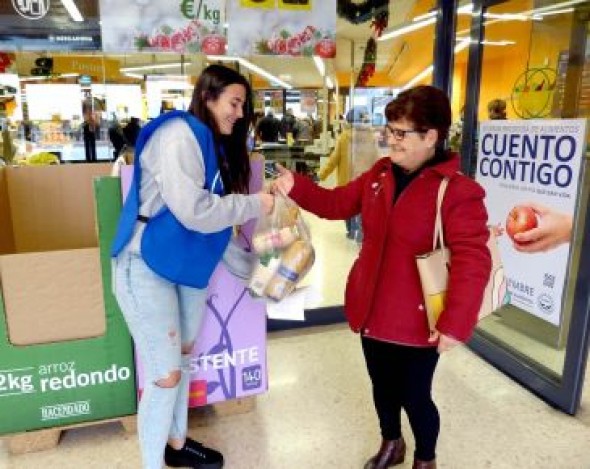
52,133
283,244
40,159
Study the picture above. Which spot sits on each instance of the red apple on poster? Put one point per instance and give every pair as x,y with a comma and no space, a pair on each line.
213,44
520,219
325,48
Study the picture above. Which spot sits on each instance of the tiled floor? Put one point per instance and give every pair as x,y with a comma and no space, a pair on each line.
318,413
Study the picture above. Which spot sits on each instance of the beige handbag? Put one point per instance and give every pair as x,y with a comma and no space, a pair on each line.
433,268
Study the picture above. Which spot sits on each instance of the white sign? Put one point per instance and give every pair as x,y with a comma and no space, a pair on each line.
530,171
284,28
178,26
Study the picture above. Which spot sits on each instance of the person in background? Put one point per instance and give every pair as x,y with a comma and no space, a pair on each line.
268,128
384,300
354,153
116,137
89,130
497,109
456,131
288,123
303,130
189,189
131,131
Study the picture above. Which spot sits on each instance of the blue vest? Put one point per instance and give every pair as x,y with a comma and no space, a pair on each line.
174,252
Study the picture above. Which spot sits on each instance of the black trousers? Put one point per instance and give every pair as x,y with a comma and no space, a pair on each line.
402,378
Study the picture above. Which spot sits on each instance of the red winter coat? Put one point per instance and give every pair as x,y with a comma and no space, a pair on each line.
383,293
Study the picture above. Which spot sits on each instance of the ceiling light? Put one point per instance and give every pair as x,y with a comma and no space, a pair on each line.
134,75
556,6
319,64
462,44
72,10
425,16
49,77
252,67
465,9
555,12
406,29
151,67
506,16
424,73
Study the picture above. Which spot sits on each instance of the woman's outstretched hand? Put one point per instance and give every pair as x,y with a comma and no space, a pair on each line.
284,182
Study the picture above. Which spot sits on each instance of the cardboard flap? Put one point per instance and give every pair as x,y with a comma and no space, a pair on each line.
52,296
52,207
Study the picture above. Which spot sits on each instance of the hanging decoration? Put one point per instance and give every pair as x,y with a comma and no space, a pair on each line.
359,12
368,67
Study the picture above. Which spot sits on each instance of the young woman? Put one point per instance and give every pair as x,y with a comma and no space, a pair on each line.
189,188
384,301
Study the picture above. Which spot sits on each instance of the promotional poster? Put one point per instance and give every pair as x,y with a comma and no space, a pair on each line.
530,170
178,26
282,27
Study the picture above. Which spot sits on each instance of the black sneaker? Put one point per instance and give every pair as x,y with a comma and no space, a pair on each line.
193,455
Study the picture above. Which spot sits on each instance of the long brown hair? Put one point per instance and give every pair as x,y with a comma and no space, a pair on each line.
232,153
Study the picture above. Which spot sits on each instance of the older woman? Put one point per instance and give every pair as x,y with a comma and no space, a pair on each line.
384,301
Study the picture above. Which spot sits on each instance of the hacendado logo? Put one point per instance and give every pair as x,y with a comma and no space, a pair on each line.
529,158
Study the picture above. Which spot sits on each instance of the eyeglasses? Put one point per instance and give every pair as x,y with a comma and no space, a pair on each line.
399,134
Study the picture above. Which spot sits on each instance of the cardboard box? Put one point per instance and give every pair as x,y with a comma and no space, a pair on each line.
65,354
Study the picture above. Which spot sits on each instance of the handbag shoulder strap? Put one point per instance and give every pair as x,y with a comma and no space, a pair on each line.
438,228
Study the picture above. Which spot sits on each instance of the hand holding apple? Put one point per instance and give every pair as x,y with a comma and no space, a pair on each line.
520,219
553,229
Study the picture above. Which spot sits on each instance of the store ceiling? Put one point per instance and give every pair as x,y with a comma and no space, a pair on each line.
301,72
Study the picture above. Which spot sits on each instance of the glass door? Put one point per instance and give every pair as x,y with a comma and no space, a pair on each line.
528,72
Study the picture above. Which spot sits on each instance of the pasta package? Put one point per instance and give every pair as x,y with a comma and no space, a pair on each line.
283,244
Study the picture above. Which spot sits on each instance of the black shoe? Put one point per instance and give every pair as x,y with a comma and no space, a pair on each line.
193,455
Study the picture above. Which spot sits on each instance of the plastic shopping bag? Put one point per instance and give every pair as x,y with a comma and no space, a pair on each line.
283,244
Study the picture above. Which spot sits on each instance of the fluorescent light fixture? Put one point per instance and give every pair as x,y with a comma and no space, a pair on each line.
424,73
252,67
49,77
462,44
556,6
465,9
503,42
406,29
329,83
151,67
319,64
72,9
425,16
507,16
134,75
33,78
555,12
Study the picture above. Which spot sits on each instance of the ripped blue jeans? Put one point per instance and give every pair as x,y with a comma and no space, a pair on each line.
162,317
